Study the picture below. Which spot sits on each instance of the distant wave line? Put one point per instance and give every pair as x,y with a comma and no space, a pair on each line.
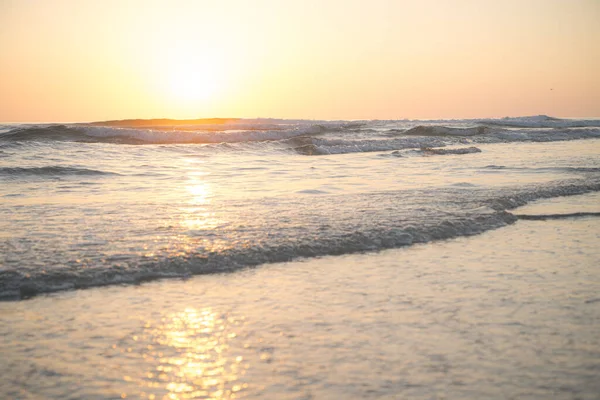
55,170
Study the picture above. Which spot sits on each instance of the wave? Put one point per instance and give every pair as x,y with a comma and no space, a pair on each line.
15,285
41,133
464,150
307,145
48,171
304,137
322,146
544,217
544,169
527,133
89,133
466,216
540,121
313,149
347,142
423,130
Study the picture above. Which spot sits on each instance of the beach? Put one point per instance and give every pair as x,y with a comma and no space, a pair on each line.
510,313
299,200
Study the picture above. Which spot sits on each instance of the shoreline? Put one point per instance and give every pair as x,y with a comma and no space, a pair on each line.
495,216
511,312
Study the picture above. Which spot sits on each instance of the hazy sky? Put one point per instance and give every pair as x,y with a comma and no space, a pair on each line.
84,60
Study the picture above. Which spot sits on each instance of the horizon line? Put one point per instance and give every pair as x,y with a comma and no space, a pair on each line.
223,120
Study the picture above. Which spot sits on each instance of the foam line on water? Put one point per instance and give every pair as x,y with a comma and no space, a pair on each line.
471,214
544,217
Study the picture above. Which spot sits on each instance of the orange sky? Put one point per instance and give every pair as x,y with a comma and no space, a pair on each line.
84,60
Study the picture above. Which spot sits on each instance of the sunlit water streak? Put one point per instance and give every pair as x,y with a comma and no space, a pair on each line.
188,354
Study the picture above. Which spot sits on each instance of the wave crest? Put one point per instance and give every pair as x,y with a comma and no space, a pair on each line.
48,171
438,130
109,134
329,237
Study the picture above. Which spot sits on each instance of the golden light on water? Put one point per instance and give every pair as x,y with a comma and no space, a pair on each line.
189,356
200,191
192,229
198,218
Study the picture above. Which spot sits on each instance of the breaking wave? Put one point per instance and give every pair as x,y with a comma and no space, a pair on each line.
465,216
310,138
423,130
49,171
540,121
464,150
123,135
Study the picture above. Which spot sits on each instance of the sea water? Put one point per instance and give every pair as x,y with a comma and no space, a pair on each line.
90,205
354,292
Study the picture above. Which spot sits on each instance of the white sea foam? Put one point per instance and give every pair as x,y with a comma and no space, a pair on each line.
318,137
231,133
441,130
541,121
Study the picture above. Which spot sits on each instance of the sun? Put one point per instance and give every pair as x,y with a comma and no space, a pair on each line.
193,81
192,78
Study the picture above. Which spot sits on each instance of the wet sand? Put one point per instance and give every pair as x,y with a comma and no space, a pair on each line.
510,313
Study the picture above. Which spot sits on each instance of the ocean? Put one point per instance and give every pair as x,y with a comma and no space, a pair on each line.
300,228
88,206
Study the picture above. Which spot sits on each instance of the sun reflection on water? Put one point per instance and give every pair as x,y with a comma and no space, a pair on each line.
200,191
198,219
190,356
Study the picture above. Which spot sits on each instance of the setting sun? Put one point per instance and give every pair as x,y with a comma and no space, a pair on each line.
190,59
188,75
192,82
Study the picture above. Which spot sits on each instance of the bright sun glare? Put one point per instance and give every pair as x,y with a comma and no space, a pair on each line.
192,78
193,75
193,82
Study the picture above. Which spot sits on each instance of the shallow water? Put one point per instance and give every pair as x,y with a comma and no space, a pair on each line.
79,214
511,313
